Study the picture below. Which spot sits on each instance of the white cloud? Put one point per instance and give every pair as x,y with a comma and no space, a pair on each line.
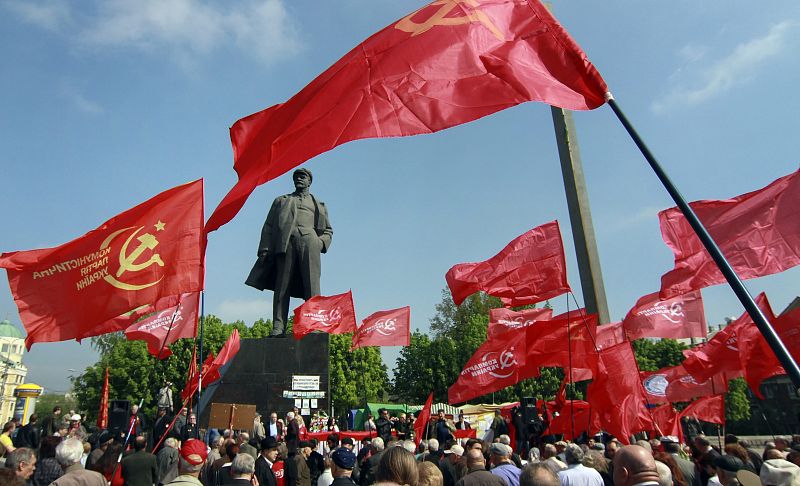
81,102
247,310
189,28
716,78
185,30
50,15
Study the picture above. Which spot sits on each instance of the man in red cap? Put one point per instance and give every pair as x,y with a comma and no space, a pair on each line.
193,456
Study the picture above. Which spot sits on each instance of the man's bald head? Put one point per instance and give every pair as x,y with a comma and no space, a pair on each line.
634,464
475,458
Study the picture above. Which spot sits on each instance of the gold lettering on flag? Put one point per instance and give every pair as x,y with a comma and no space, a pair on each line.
469,8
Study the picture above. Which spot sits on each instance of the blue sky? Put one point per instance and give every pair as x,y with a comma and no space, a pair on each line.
105,104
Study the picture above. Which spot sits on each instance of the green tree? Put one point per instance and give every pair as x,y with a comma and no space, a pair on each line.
737,404
652,355
355,376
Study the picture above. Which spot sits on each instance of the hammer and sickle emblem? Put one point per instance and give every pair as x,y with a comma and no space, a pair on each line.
507,359
127,262
439,17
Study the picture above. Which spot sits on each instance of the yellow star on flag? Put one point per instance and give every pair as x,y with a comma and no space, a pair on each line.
160,226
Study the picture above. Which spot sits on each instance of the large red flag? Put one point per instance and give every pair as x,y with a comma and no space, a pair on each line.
679,317
498,363
136,258
333,314
528,270
708,409
168,320
721,354
610,335
102,412
617,396
385,328
502,319
445,64
757,232
421,423
212,366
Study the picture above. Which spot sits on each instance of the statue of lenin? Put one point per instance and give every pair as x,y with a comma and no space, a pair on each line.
296,232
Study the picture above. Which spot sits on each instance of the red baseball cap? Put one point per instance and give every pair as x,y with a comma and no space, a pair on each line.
194,452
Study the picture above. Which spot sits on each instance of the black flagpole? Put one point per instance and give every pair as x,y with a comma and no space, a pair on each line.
734,281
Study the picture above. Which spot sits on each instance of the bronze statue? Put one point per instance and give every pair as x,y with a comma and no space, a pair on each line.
296,232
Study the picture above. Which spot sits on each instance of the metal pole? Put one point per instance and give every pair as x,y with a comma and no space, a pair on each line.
580,216
733,279
200,348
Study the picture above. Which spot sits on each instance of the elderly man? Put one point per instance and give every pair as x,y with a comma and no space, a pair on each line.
297,471
538,474
192,457
274,429
139,468
242,469
502,465
68,455
22,461
634,465
245,447
551,460
342,463
167,461
576,474
449,464
294,235
477,475
370,467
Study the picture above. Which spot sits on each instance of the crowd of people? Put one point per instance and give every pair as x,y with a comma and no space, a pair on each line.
61,451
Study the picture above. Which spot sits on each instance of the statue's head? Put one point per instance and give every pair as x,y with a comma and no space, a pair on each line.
302,178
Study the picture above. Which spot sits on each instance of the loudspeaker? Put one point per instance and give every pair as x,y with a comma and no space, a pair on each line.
529,410
119,412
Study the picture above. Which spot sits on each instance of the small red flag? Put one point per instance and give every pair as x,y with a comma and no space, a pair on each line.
563,422
445,64
528,270
758,361
667,421
498,363
679,317
617,396
502,319
212,366
102,412
421,423
675,384
385,328
547,343
721,354
170,319
708,409
757,232
134,259
333,314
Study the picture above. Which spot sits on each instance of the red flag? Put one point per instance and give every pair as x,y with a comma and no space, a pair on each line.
385,328
192,383
136,258
170,319
573,411
708,409
679,317
498,363
610,335
212,366
421,423
667,421
501,319
721,353
102,413
546,343
757,232
445,64
335,314
757,359
675,384
528,270
617,396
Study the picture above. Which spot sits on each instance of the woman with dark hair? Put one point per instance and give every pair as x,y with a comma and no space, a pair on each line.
397,466
736,450
47,468
677,476
107,462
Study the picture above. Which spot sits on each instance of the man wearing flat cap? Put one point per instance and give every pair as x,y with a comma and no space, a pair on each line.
296,232
343,461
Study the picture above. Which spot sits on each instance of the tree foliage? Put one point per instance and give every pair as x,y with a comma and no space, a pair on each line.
355,376
652,355
737,405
